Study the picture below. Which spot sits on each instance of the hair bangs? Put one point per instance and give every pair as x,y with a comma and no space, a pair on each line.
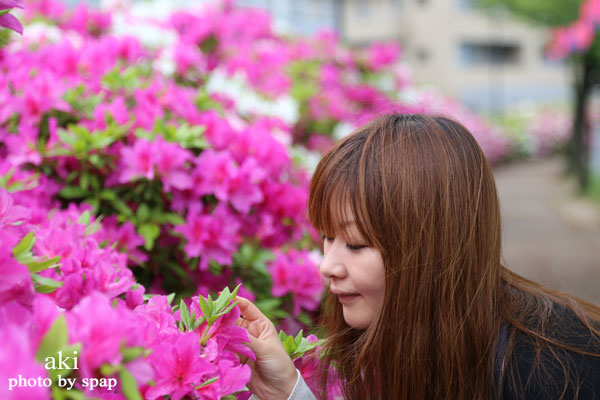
334,199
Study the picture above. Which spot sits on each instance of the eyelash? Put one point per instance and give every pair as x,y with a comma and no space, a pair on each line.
353,247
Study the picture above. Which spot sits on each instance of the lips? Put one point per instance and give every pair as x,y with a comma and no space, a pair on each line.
347,298
343,296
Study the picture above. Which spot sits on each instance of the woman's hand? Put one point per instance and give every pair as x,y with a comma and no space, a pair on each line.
273,374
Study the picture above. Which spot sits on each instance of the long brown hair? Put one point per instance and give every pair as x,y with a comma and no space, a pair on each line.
422,193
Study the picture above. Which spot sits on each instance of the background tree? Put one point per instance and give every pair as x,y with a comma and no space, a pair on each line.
586,64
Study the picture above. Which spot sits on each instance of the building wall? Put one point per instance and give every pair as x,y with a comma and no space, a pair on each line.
487,60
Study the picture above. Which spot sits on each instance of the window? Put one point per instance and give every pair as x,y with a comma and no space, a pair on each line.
422,55
474,53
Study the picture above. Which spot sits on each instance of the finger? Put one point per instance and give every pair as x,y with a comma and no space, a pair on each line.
249,310
241,322
243,359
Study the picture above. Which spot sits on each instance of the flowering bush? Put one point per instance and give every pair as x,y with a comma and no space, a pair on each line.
578,36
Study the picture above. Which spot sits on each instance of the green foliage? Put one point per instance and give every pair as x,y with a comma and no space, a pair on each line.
4,37
129,385
550,13
297,346
211,309
22,253
187,136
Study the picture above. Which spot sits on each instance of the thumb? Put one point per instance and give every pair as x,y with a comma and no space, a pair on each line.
250,312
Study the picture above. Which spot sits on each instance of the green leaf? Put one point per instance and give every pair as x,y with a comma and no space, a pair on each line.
108,369
74,394
170,218
170,298
73,192
227,309
54,340
204,307
303,347
131,353
149,232
25,245
223,299
143,212
198,322
108,195
298,337
268,305
94,202
208,382
129,385
290,345
211,305
184,313
305,319
45,285
121,207
85,218
37,266
73,351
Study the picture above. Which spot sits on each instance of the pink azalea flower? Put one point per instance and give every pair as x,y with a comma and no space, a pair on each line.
147,159
147,106
178,367
217,173
214,170
294,273
381,55
135,297
51,9
244,188
138,161
219,132
17,357
11,215
88,21
232,378
117,110
211,236
157,312
228,336
170,164
10,21
125,237
16,284
102,329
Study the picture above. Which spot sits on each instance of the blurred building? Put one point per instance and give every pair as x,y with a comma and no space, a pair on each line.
489,60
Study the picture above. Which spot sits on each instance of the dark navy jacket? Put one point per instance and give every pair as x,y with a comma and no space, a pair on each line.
584,375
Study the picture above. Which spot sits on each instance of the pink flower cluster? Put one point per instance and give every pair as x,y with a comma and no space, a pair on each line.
579,35
106,327
295,273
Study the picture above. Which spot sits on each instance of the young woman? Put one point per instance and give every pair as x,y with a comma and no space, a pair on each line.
419,305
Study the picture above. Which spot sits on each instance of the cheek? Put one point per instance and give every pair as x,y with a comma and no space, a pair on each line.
372,279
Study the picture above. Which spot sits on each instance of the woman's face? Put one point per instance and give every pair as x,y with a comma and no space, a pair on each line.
355,274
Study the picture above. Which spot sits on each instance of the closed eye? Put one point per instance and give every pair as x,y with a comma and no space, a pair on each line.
353,247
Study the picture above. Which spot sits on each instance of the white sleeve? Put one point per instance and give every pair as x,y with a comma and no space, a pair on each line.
299,392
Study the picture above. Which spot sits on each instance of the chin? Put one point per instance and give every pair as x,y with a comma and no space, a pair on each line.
356,323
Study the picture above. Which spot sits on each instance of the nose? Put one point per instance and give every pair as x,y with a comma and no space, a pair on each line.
333,265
